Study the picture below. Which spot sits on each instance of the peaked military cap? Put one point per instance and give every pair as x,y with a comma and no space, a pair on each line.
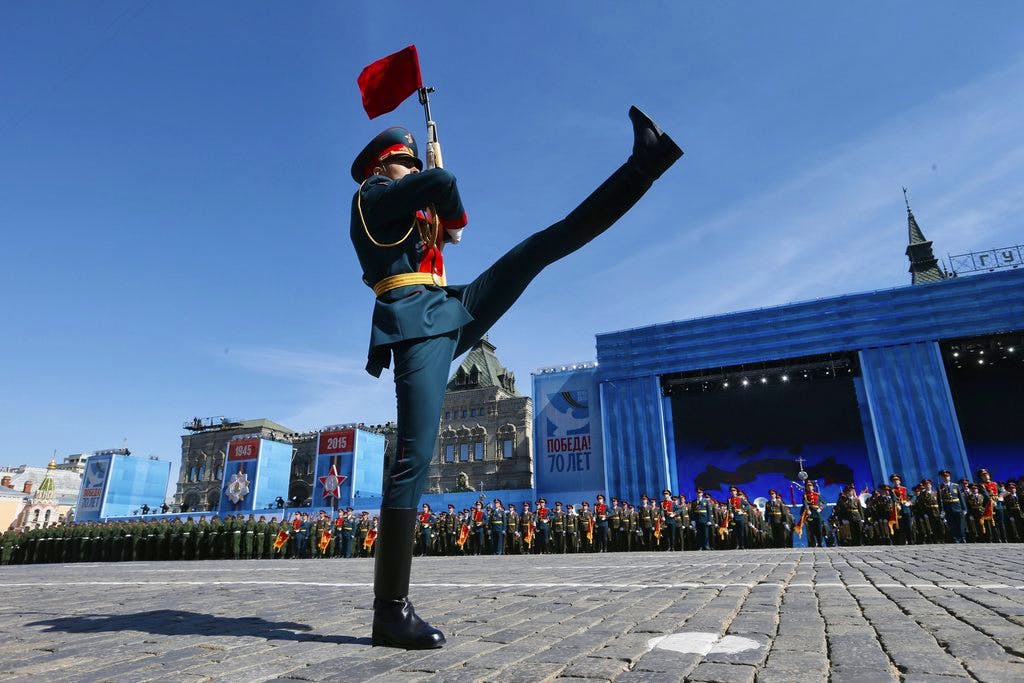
395,141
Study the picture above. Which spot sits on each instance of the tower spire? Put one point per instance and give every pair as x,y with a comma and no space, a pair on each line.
924,267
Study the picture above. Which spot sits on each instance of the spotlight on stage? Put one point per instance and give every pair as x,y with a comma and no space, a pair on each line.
746,382
725,385
785,378
764,380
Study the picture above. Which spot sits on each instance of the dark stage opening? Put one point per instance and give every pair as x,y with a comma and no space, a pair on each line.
986,378
750,426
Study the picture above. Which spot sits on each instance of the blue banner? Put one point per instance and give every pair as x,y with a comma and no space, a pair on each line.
569,459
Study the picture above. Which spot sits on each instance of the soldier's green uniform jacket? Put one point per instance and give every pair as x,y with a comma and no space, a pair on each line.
383,211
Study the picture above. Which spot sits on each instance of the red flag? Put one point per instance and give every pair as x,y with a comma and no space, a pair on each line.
388,81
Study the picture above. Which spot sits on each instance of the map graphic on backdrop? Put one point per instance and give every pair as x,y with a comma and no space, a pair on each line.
752,438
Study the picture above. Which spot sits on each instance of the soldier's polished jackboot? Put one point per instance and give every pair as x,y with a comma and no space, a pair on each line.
395,623
653,153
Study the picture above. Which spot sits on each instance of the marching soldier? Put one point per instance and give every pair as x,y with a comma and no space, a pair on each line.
904,507
811,514
247,535
513,525
259,538
615,526
426,529
1012,512
646,517
543,527
951,496
780,519
739,510
669,521
586,528
499,523
362,528
601,524
883,514
572,529
994,509
450,531
850,517
928,513
682,510
558,528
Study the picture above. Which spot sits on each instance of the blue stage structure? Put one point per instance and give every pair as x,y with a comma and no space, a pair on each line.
891,336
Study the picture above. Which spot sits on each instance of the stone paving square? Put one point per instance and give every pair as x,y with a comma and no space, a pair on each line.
921,613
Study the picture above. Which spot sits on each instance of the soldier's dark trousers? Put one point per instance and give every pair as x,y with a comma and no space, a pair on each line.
955,521
703,536
815,532
499,542
779,535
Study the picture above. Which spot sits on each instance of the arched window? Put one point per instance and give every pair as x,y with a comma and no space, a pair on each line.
507,440
448,446
479,437
46,519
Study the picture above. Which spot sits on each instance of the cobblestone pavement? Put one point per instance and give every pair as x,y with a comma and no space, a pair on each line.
933,613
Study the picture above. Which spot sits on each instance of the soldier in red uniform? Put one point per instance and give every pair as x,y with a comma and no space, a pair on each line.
813,506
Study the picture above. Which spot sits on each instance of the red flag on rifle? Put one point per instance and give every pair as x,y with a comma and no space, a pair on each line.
388,81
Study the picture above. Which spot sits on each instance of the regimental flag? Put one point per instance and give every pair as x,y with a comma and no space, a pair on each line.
723,528
799,528
528,537
325,539
463,536
989,514
894,518
371,536
386,83
657,529
282,538
590,529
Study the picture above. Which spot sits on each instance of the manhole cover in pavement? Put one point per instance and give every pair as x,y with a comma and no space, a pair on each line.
702,643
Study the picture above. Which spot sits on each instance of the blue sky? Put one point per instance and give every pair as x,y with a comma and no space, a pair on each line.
174,187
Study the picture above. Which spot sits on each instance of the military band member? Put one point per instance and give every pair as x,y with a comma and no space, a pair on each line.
954,506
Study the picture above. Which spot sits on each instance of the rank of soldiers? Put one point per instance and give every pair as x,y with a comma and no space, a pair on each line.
952,511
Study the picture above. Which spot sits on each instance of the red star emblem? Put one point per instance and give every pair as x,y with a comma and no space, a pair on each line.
332,482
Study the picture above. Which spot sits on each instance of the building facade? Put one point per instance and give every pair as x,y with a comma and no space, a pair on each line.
486,435
203,451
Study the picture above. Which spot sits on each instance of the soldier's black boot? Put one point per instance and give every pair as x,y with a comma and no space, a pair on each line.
395,623
653,153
